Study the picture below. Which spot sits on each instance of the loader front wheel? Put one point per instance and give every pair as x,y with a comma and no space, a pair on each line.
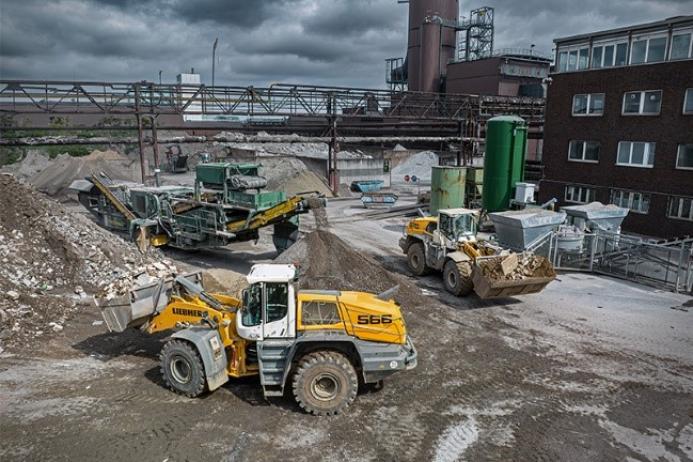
457,278
182,368
325,383
416,259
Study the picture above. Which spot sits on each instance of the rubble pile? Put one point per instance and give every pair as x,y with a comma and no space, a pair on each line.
54,176
327,262
52,262
516,266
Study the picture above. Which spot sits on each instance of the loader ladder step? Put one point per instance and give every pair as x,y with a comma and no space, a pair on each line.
272,360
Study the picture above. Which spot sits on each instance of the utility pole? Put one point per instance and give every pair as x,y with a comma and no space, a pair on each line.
140,140
214,57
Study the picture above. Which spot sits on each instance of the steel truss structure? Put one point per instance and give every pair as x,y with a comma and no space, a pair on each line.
235,103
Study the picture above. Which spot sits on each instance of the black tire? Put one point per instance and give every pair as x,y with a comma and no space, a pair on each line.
325,383
182,368
457,278
416,260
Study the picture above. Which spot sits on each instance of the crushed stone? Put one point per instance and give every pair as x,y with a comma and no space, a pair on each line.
52,261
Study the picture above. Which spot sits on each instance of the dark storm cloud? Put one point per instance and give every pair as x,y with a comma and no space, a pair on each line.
329,42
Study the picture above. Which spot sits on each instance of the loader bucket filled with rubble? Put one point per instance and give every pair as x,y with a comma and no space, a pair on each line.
515,274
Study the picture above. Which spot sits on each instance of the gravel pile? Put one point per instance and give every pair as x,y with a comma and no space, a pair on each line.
327,262
52,263
418,165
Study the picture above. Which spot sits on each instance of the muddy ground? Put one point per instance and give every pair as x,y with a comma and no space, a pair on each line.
592,369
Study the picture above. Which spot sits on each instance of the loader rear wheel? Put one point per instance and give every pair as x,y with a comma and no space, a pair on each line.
457,278
325,383
182,369
416,260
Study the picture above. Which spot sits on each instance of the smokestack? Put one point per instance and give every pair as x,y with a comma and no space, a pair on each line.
430,46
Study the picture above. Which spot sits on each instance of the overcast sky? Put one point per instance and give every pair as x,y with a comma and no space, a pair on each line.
326,42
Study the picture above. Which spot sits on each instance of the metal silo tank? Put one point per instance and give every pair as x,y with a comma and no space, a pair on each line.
447,188
506,144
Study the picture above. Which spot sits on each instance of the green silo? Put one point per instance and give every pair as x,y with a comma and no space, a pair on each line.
447,188
506,144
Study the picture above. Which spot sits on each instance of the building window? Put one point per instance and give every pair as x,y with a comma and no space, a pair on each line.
684,159
588,104
688,102
635,201
680,208
635,154
648,50
681,45
609,55
642,102
573,59
583,151
579,194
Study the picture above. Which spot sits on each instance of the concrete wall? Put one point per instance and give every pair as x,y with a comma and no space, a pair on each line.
350,170
668,129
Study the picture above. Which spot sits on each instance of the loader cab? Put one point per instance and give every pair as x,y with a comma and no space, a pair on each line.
269,303
457,225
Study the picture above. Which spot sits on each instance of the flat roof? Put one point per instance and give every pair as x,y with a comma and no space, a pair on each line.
673,21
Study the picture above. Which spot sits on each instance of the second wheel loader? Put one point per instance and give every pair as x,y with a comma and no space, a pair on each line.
447,243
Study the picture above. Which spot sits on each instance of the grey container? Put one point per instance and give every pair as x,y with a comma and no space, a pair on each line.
520,229
596,215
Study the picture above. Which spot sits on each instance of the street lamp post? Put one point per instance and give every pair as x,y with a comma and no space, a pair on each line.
214,57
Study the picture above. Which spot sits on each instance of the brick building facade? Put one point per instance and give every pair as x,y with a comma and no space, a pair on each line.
622,132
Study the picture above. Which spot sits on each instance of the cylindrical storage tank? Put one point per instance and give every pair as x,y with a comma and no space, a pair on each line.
506,144
447,188
420,64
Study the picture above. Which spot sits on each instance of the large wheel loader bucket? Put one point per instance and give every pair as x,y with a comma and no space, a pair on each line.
139,304
491,283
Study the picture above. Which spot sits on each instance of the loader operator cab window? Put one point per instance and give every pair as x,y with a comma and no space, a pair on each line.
276,303
446,226
457,227
465,226
252,306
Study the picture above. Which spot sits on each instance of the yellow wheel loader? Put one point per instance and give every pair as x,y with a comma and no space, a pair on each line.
318,343
447,244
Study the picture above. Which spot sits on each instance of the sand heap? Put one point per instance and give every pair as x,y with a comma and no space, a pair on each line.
54,176
51,261
419,165
292,176
327,262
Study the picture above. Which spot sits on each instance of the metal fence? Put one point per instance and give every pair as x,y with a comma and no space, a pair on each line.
666,265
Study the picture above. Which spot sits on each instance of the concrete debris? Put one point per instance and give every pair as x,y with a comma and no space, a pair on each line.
54,261
138,276
515,267
14,295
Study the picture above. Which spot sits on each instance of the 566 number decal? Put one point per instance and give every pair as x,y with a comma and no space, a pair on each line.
374,319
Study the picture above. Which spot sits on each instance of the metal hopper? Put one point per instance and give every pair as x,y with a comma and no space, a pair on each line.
595,215
521,229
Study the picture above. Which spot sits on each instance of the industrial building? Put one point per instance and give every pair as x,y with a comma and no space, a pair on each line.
619,124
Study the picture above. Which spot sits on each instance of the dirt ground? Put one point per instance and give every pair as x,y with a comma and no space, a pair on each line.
592,369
